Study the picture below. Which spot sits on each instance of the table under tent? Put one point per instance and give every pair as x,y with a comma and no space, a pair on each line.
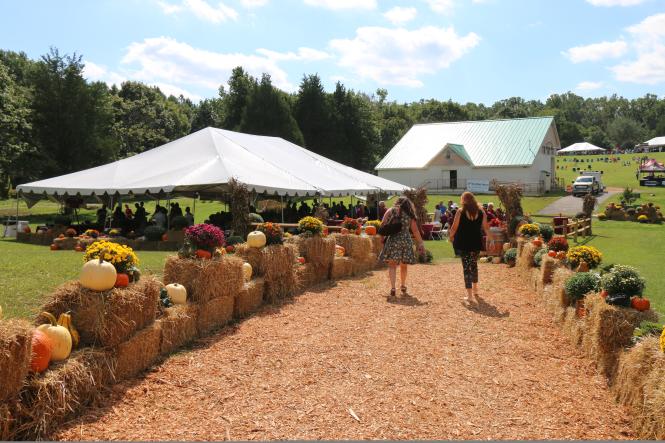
202,165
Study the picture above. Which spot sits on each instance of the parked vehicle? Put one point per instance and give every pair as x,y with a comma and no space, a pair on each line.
589,181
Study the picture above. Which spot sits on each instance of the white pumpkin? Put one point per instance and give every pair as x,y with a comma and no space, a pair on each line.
339,251
256,239
177,293
506,246
98,275
247,271
60,337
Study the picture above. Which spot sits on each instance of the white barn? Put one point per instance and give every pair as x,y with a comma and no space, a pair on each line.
469,155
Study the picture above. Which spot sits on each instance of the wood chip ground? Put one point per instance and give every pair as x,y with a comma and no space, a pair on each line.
341,362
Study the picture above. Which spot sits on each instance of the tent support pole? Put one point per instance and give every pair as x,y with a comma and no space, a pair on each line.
194,209
281,199
168,213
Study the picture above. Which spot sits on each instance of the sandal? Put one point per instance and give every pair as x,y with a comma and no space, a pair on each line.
392,293
403,289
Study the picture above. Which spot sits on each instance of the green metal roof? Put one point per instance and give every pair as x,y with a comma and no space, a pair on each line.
483,143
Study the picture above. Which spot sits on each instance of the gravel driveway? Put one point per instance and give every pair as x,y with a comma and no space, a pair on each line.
572,205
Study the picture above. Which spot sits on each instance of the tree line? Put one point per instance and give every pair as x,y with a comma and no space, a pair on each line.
53,121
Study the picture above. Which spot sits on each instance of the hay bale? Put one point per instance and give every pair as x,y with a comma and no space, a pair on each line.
57,395
7,422
253,256
214,314
67,243
355,246
547,268
106,318
342,267
609,329
525,259
280,278
361,266
206,280
178,326
377,244
650,423
15,354
318,251
305,276
249,299
521,242
138,353
573,326
559,278
635,365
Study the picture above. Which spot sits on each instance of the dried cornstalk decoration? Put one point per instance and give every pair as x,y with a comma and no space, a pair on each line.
588,206
419,199
511,199
239,208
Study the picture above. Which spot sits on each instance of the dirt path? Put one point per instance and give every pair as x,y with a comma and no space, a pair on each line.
423,368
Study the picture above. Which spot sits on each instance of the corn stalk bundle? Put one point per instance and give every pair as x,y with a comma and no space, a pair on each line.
239,208
419,199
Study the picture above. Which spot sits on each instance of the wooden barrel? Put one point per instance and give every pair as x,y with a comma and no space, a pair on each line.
497,237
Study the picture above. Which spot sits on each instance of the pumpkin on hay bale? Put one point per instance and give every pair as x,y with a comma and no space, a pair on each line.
15,356
253,256
214,314
342,267
105,318
279,277
609,329
50,399
178,326
249,299
138,353
205,280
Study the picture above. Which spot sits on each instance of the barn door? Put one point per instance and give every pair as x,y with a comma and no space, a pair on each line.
453,179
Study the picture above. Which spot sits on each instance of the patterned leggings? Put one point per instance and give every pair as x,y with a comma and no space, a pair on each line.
470,267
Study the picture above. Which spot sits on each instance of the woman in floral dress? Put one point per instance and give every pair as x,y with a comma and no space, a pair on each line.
398,248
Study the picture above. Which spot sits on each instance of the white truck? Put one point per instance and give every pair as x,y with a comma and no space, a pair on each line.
588,181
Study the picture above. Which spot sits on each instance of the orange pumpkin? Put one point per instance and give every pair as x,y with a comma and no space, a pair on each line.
561,255
639,303
42,347
54,247
61,236
230,249
603,293
370,230
537,243
358,231
325,231
203,254
27,230
551,254
121,281
344,231
165,237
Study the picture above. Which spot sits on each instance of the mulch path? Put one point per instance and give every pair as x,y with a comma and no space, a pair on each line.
341,362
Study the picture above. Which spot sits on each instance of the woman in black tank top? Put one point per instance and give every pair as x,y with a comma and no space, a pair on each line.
467,237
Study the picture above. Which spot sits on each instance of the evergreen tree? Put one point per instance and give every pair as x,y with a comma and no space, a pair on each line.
241,86
313,112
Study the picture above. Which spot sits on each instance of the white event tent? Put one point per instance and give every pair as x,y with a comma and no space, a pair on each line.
203,163
581,148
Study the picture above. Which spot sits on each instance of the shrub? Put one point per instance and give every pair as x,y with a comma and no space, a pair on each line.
602,216
310,225
234,240
529,230
510,255
153,233
558,244
623,280
580,284
204,236
538,257
589,254
546,231
179,223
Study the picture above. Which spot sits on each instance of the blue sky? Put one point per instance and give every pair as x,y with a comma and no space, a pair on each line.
464,50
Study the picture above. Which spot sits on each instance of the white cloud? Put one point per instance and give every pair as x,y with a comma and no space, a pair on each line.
596,51
337,5
589,86
616,2
398,15
649,42
169,89
303,54
167,60
202,10
399,56
253,3
93,71
441,6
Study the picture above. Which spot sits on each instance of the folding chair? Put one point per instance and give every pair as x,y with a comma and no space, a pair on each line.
438,232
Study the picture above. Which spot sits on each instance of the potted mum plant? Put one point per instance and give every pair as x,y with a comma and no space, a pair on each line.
273,232
351,225
202,241
310,226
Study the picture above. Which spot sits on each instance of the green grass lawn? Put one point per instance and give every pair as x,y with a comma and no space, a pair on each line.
29,272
